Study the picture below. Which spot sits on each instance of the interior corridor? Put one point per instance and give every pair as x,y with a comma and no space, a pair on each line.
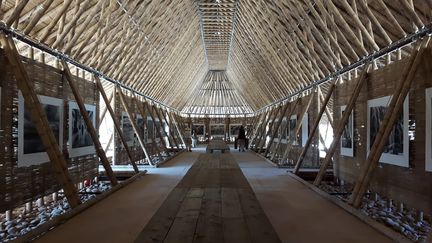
293,212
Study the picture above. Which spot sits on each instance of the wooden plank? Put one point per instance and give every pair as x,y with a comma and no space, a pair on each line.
209,227
234,225
341,125
89,125
40,121
315,126
116,122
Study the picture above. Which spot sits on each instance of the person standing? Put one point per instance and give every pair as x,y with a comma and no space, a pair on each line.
194,139
188,139
241,139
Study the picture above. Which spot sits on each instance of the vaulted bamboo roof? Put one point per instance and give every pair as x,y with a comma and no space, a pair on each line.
267,49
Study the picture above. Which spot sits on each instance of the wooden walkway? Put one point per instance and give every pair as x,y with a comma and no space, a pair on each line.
212,203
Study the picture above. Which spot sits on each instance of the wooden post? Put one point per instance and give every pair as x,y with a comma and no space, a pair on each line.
161,118
341,125
90,127
298,125
315,126
276,130
116,122
40,121
134,125
385,128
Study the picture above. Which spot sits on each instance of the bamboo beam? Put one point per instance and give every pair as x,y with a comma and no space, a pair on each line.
37,16
115,121
16,13
134,125
341,125
170,131
89,125
263,129
315,126
161,127
386,127
40,121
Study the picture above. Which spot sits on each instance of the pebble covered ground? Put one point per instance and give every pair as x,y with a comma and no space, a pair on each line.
408,222
23,221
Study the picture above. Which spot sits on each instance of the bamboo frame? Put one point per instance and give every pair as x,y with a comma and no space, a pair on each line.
40,122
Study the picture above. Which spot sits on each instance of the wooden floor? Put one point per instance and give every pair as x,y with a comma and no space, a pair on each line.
212,203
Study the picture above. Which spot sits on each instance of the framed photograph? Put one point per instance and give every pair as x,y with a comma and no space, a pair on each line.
30,148
396,150
305,129
428,162
150,129
217,129
291,129
140,124
127,129
347,139
80,141
199,129
234,129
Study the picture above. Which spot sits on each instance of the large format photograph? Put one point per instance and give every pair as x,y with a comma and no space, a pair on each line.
291,130
127,129
80,141
30,148
199,129
217,130
347,141
396,149
234,129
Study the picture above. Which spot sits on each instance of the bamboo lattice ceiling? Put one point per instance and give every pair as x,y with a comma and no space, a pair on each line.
269,49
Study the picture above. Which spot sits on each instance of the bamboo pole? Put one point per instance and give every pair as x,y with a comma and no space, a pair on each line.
341,125
90,127
386,127
276,130
266,133
115,121
40,121
134,125
315,126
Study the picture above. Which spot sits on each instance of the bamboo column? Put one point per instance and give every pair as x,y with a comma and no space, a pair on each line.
263,129
298,125
341,125
134,125
40,121
315,126
116,122
90,127
276,130
267,133
385,128
292,110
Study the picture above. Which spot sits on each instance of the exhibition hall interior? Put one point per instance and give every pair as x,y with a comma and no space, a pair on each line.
215,121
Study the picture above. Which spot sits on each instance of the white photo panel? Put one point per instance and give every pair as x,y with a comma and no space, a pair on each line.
80,141
30,148
428,150
347,141
305,129
396,150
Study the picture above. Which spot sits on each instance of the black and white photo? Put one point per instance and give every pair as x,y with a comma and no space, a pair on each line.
234,129
30,148
347,141
80,141
150,129
127,129
217,130
199,129
396,149
290,130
